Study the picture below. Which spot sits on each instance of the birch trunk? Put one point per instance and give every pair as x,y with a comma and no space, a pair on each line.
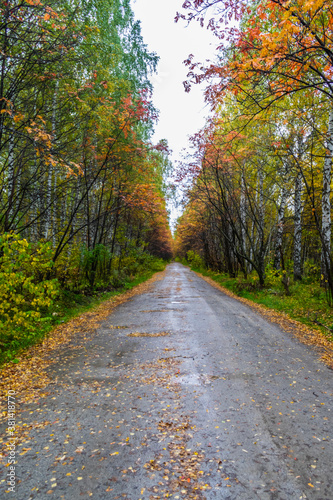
298,228
51,181
326,201
261,225
11,181
72,209
243,214
48,203
279,230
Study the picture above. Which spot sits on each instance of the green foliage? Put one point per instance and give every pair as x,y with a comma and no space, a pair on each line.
100,269
311,270
194,260
25,288
95,263
78,170
70,303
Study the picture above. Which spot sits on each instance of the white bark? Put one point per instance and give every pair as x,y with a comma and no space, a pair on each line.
326,200
298,227
243,214
50,214
279,230
261,200
11,170
259,243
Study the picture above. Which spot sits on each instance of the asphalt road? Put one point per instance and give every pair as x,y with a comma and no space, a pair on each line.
183,393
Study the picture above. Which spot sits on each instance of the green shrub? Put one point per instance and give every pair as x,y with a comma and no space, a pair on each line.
25,286
194,259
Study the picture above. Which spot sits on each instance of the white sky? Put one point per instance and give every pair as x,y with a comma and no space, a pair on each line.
181,114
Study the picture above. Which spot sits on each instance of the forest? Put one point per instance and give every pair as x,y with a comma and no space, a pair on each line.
147,358
84,191
82,187
258,183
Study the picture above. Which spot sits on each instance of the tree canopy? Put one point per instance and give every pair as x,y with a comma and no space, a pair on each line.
79,174
262,165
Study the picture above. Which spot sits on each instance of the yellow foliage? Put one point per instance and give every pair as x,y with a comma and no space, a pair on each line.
24,287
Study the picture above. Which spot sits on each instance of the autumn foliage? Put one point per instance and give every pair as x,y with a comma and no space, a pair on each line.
261,168
78,172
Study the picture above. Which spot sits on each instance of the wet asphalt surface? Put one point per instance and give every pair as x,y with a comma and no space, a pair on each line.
183,393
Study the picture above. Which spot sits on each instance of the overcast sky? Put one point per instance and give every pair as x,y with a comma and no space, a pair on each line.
181,114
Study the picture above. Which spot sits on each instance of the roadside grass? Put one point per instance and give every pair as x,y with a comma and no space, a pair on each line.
306,303
67,306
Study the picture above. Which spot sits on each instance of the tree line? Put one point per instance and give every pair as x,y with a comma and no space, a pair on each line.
75,122
261,168
82,188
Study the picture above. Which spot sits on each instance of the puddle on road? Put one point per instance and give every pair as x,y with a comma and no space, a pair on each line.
192,379
155,310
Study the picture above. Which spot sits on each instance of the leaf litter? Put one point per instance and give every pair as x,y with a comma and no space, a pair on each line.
181,470
29,379
144,334
182,473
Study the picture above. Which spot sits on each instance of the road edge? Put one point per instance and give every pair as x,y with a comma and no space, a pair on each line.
28,377
303,333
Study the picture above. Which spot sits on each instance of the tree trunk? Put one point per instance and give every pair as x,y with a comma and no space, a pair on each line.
261,225
51,179
11,182
279,230
298,228
242,207
243,214
326,202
